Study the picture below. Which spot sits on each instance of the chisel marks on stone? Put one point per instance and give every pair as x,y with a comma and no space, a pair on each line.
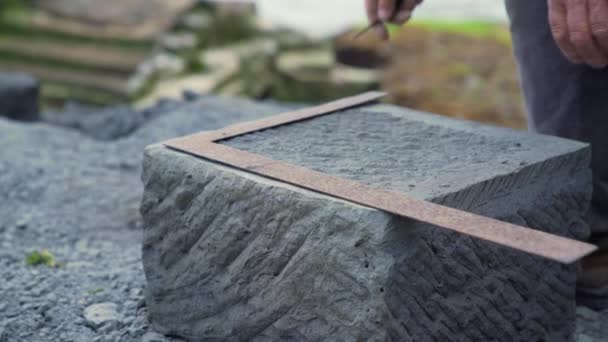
312,266
278,262
530,241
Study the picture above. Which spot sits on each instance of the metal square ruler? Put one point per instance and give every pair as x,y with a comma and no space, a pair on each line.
207,145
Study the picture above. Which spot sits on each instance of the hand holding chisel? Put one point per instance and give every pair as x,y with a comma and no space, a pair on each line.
380,12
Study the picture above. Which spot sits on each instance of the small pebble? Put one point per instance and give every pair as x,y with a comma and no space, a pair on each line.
152,336
101,313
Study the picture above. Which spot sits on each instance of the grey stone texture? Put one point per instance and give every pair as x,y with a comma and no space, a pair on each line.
233,256
19,96
63,190
109,123
591,325
101,313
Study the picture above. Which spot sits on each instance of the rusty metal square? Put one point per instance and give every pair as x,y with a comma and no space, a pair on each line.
205,145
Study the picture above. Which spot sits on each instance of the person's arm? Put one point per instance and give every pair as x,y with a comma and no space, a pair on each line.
580,28
387,11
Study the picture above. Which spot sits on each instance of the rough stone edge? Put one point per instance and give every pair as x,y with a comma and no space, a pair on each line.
278,186
150,150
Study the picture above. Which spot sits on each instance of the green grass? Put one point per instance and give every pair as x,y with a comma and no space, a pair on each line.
93,292
43,257
480,29
53,94
12,12
472,28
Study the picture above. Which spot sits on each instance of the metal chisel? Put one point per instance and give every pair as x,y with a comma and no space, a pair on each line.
398,5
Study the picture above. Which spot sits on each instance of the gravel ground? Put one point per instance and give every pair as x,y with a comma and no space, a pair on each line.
75,192
78,197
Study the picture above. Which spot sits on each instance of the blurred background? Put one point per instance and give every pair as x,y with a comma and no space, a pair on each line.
454,58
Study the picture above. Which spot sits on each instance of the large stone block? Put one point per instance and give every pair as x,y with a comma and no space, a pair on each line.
233,256
18,96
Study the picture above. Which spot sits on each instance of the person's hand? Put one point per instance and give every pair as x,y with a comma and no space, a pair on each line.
387,11
580,28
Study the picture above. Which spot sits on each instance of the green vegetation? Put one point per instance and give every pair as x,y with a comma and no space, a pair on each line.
227,29
93,292
192,60
224,28
9,6
43,257
50,62
471,28
145,89
54,94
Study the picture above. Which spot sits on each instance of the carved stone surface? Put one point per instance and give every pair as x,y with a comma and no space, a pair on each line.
233,256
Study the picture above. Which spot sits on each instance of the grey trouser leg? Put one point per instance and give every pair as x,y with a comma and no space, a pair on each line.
562,99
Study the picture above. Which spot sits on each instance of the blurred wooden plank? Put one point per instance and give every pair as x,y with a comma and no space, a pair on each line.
123,60
100,81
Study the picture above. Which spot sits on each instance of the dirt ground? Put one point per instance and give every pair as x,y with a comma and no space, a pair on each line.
468,76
